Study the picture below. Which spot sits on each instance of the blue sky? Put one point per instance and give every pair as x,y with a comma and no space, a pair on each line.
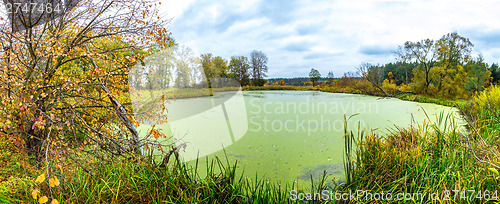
339,35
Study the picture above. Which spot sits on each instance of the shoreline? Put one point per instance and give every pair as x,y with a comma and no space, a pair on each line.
405,97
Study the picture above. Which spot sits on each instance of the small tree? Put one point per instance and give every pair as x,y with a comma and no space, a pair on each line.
330,77
314,76
239,68
259,67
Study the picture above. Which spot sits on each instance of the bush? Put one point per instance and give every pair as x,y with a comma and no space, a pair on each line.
483,112
259,82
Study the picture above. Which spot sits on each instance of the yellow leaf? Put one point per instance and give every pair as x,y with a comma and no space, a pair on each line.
40,178
54,201
54,181
493,170
60,168
34,194
43,199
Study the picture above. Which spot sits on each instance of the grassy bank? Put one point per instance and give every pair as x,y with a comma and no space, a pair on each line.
432,157
335,89
139,180
422,159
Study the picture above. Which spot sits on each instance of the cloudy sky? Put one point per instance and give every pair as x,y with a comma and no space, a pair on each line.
336,35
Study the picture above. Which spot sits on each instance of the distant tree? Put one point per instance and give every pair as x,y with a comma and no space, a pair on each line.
479,76
239,68
373,75
220,71
259,67
454,53
422,52
184,67
220,67
330,77
208,67
390,77
282,83
314,76
495,73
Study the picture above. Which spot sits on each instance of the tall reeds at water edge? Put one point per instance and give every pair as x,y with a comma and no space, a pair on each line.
435,156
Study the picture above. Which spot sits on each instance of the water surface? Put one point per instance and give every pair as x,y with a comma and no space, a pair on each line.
287,135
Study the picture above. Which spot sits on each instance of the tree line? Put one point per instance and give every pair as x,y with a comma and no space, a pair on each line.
443,68
178,67
440,68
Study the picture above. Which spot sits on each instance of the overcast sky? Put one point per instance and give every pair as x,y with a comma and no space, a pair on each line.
339,35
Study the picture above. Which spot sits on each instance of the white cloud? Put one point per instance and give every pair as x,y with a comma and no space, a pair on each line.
328,35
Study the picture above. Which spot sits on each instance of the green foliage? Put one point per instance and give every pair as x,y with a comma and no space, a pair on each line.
483,111
239,68
259,82
314,76
495,73
141,180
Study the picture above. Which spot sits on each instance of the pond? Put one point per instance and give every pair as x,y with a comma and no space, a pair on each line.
285,135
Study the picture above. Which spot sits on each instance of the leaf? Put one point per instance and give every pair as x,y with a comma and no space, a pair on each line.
40,178
54,201
493,170
54,182
34,194
43,199
60,168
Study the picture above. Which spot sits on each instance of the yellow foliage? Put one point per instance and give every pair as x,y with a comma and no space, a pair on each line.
43,199
34,194
404,87
389,87
489,97
40,178
54,182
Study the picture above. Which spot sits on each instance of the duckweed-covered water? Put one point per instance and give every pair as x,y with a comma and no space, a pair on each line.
287,135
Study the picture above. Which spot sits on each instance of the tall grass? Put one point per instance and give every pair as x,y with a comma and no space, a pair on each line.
483,112
141,180
424,158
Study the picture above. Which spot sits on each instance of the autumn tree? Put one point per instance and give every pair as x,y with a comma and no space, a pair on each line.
259,67
424,53
220,65
239,67
207,64
330,77
184,66
157,74
479,76
221,70
63,81
314,75
372,74
390,77
495,73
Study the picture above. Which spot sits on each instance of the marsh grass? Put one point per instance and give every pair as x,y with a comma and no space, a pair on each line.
423,158
142,180
426,158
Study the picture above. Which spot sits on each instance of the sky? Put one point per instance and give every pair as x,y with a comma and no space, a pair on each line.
335,35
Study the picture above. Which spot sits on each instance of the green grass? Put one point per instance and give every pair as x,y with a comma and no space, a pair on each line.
140,180
426,99
425,158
